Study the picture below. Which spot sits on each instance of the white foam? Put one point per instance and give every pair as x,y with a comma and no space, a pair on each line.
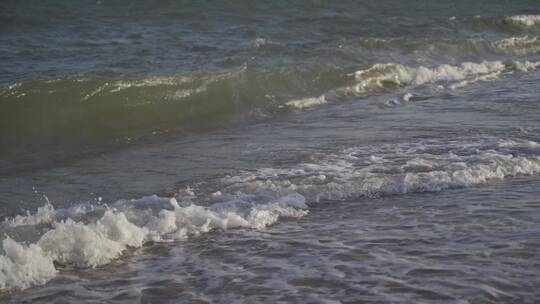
24,266
394,76
396,169
518,45
526,66
524,20
81,244
44,214
259,42
380,76
390,76
259,198
407,96
483,77
304,103
78,244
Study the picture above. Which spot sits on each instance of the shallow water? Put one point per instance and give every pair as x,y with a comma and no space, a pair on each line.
304,152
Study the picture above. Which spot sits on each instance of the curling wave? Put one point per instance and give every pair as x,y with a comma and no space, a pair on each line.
69,116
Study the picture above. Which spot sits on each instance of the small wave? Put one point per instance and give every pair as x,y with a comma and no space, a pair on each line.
511,23
519,45
396,169
94,113
387,77
78,244
95,235
525,20
394,75
80,115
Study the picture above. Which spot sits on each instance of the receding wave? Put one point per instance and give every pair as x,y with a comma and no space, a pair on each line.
93,235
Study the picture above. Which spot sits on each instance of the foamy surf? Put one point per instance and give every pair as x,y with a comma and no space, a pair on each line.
521,22
338,151
254,200
81,244
521,45
390,77
525,20
395,170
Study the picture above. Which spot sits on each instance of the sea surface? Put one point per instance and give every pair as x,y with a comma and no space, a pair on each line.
270,151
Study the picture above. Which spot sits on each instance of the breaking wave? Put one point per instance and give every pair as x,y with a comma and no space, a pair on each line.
87,112
77,114
382,77
126,224
522,20
513,22
521,45
93,235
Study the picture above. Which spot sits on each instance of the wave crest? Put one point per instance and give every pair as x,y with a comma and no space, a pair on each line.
80,244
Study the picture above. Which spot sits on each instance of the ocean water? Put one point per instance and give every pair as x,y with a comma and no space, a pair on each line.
279,152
